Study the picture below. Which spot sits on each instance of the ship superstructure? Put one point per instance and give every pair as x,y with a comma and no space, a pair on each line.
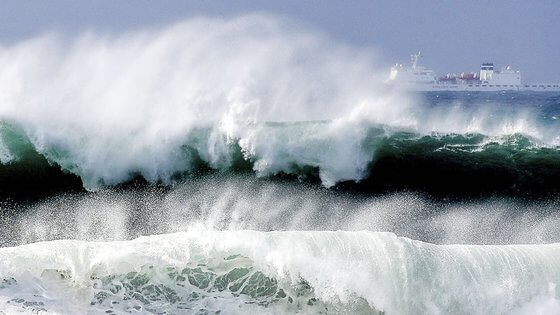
418,78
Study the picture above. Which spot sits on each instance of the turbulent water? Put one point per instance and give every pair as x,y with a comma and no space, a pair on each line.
249,271
264,168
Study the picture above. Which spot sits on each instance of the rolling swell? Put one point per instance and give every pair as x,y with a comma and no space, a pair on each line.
438,164
463,165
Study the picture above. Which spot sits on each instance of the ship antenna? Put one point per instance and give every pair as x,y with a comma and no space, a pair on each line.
414,59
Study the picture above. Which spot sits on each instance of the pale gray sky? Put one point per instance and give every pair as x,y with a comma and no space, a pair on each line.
454,36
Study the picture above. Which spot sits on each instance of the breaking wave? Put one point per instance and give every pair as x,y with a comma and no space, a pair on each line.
276,272
384,159
257,93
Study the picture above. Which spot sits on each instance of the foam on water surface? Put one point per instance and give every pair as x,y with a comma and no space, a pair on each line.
275,272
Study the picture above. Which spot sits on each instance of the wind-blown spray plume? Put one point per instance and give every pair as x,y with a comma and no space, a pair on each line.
148,102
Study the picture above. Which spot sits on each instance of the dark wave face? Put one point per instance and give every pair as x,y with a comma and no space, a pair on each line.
452,165
468,164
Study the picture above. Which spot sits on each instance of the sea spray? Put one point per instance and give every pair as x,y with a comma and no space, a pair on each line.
107,106
227,202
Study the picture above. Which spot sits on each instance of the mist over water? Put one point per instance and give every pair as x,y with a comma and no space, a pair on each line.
279,172
245,203
80,101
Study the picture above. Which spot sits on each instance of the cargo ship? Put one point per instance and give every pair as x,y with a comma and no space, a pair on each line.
418,78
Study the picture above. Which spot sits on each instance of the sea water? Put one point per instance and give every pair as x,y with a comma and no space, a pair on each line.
249,165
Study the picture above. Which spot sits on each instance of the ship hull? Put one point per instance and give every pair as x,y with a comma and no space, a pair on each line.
481,88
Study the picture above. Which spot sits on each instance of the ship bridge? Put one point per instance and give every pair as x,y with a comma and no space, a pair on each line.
506,76
486,71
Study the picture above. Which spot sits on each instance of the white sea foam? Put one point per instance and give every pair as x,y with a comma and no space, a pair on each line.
6,155
387,273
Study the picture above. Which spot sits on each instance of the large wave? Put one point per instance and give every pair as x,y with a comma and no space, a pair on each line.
226,93
276,272
385,159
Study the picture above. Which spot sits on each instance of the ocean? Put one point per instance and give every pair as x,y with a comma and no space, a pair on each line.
271,178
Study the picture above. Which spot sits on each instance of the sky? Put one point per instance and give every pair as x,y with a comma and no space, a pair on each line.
454,36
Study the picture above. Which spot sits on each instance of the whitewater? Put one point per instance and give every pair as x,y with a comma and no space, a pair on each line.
277,272
254,165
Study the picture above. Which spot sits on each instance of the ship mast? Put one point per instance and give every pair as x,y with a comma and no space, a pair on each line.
414,59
